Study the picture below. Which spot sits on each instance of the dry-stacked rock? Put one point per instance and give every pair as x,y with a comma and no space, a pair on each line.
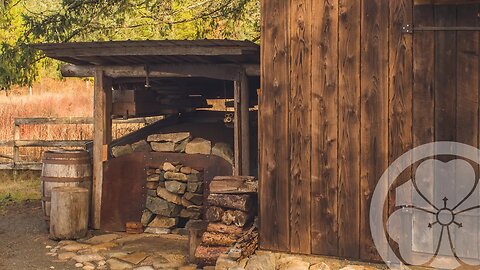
180,142
174,196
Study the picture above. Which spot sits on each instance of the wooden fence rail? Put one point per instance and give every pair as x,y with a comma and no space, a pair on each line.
17,142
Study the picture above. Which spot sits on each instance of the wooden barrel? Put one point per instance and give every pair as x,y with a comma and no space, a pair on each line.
64,168
69,215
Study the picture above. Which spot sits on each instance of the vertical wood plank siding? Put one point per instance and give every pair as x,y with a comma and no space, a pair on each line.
324,216
344,93
273,137
300,125
400,138
348,129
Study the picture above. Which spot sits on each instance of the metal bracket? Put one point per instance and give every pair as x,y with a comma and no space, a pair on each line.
407,29
147,78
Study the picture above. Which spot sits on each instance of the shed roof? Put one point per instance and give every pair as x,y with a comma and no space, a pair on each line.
143,52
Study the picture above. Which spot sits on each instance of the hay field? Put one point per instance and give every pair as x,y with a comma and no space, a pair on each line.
50,98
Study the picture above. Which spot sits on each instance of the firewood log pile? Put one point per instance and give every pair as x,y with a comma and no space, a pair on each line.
231,210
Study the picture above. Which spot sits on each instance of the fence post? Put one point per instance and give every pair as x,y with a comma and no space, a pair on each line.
16,152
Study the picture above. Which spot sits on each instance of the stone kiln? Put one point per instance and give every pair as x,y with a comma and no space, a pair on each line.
163,178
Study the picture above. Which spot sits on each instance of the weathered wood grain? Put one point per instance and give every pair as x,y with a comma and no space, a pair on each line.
102,136
445,90
273,136
423,102
400,97
324,127
374,110
349,129
467,109
445,75
299,127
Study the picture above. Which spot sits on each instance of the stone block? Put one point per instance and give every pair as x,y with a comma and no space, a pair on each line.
175,176
141,146
224,151
147,217
194,198
199,146
319,266
169,196
155,230
118,151
169,167
153,178
186,170
181,146
169,137
163,147
160,206
261,262
163,222
176,187
195,187
185,213
115,264
152,185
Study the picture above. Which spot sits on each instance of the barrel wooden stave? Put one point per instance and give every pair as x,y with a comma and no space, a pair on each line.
69,216
64,168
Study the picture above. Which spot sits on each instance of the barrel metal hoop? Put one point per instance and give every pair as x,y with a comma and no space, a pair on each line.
74,155
83,161
65,179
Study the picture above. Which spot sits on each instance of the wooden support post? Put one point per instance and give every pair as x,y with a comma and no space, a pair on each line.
245,123
237,129
242,125
102,136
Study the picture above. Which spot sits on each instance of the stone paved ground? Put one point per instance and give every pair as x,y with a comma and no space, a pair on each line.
266,260
24,244
119,251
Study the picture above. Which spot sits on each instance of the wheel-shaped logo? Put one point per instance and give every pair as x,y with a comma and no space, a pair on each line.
432,192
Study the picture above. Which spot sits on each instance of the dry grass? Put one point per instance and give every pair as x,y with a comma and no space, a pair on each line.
24,186
51,98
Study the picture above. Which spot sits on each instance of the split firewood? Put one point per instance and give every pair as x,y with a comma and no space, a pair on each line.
237,217
218,239
242,202
227,217
250,247
214,213
222,228
233,185
248,242
208,255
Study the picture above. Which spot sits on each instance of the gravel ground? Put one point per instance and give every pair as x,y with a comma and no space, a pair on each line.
23,238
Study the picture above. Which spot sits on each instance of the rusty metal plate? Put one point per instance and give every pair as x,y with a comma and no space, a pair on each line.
123,192
124,189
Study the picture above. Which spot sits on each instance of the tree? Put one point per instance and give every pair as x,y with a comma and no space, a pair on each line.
24,22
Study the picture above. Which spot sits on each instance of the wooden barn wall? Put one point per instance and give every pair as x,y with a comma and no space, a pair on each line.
344,93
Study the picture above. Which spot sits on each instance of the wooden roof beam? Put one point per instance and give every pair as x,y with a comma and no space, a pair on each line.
146,51
221,72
